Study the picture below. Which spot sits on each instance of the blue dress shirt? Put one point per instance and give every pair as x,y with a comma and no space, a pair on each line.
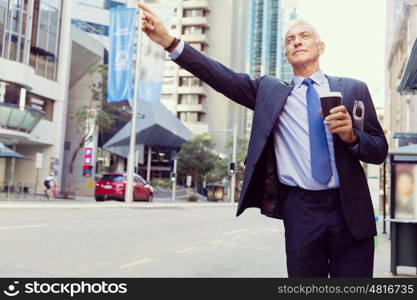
291,138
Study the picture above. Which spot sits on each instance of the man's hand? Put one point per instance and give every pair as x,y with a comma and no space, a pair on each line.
154,28
340,122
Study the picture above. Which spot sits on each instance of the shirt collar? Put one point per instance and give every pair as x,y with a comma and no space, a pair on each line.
318,78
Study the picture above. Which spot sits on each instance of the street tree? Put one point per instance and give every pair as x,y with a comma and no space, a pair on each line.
197,158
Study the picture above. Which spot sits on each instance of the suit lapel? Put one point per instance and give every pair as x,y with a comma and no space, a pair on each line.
277,98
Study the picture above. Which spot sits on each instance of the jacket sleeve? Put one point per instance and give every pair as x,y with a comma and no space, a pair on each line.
239,87
372,147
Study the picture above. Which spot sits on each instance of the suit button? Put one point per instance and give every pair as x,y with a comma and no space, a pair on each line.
254,163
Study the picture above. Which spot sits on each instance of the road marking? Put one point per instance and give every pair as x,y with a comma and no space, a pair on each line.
254,231
186,250
216,242
238,236
22,226
134,263
235,231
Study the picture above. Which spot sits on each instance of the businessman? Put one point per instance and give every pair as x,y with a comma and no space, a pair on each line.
300,168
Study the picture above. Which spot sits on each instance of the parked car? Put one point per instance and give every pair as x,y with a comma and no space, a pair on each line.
112,186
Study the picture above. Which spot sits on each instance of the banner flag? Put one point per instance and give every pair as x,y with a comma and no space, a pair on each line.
122,32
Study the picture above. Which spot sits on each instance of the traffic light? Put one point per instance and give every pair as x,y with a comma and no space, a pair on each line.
173,176
232,168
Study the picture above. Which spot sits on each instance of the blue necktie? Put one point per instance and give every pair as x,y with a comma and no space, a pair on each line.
319,151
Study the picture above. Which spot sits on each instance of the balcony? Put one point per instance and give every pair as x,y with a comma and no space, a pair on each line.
14,118
195,21
195,38
191,108
199,90
196,4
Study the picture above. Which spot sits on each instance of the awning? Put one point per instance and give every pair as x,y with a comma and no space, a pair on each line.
408,84
7,152
157,127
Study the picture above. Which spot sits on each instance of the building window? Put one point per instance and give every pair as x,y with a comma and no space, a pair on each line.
3,14
190,81
183,116
15,29
41,103
193,13
193,30
189,99
45,37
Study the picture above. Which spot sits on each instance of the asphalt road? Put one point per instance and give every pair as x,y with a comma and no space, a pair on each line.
146,242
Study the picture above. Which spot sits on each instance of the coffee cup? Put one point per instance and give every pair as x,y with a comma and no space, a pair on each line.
330,100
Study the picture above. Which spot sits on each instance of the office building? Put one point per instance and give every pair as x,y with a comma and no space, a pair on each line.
35,43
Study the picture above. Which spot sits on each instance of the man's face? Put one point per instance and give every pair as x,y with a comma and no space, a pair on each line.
302,45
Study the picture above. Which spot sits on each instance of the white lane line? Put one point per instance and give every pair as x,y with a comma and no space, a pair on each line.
216,242
238,236
235,231
22,226
254,231
134,263
185,250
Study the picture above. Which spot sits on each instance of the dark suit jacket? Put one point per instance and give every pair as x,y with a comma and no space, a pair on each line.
266,96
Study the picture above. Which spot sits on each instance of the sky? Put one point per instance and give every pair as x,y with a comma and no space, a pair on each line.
354,34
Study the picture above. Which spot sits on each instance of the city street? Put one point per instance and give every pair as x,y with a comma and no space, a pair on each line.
146,240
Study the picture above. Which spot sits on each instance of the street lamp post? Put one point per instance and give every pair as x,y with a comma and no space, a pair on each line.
132,146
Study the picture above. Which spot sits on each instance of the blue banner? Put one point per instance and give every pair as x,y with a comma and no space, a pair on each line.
122,32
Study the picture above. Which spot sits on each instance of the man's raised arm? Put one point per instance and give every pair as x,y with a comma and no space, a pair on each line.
239,87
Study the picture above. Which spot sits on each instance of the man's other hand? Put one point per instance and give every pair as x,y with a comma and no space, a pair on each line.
340,122
153,27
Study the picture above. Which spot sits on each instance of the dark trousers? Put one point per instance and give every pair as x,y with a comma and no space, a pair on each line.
318,242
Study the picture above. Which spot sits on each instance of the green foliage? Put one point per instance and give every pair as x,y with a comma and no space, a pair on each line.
196,158
164,183
219,171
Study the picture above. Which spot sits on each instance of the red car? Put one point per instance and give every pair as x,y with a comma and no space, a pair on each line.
113,185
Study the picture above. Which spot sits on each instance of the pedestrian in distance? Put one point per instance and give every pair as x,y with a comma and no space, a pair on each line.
302,167
50,186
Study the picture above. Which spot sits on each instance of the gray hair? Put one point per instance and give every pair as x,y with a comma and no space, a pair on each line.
303,22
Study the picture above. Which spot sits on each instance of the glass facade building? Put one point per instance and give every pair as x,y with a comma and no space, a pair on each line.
264,37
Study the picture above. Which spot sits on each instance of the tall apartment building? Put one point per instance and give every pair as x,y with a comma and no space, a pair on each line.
217,29
35,44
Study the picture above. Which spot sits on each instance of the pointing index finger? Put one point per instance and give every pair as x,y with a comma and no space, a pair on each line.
146,9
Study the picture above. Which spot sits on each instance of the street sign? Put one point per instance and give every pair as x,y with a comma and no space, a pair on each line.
87,171
39,160
88,156
188,181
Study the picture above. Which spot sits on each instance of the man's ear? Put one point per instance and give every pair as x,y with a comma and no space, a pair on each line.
322,47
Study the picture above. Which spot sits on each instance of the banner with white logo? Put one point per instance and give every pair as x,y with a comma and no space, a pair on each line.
122,32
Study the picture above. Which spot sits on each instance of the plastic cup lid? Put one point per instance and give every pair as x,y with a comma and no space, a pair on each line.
331,94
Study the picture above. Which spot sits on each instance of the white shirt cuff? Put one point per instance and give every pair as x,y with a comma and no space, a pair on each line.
177,51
